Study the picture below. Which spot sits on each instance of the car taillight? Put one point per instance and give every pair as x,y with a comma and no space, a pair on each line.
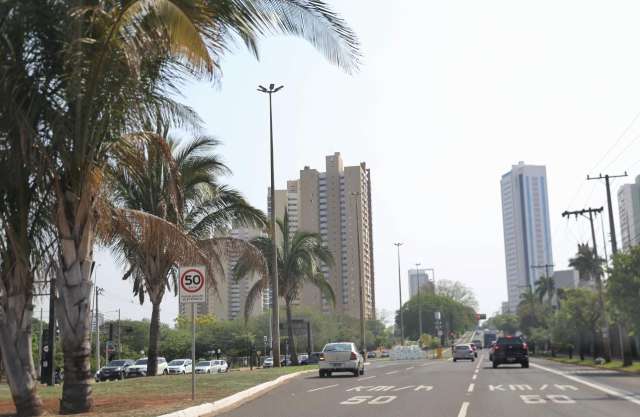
496,347
524,346
321,357
354,356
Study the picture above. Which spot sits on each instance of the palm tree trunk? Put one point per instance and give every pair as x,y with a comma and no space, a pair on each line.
76,226
292,346
606,345
15,349
154,339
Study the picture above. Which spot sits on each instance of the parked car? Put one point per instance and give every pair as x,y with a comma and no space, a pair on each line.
510,349
116,369
268,362
180,366
221,365
206,367
303,357
463,352
384,354
139,368
311,360
341,357
371,355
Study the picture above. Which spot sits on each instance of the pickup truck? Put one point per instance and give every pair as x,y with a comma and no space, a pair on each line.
510,349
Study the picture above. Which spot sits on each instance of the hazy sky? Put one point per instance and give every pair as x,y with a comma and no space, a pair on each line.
449,96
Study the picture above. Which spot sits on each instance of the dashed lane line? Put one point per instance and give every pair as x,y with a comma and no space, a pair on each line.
463,409
392,372
471,387
474,377
606,390
321,388
366,377
410,368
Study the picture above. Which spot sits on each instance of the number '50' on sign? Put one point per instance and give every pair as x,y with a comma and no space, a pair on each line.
192,282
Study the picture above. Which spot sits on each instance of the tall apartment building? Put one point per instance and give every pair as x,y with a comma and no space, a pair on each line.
418,278
629,210
527,234
337,205
229,301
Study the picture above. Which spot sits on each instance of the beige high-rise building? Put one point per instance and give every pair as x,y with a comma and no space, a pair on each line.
337,205
230,300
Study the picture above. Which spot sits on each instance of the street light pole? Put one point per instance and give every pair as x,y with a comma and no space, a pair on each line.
419,302
275,313
398,244
361,286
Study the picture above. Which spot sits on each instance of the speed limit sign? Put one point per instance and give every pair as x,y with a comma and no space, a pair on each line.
193,287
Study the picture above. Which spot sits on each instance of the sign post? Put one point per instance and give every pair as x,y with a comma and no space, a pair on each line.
193,290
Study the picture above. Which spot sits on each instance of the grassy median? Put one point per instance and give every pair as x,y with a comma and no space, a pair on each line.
615,365
141,397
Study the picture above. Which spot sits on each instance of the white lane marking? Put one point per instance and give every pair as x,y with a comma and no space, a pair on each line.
606,390
366,377
392,372
474,377
476,371
367,363
463,409
471,386
410,368
321,388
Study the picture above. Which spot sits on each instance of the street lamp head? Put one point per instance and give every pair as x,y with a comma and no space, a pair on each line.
398,244
262,89
271,86
278,89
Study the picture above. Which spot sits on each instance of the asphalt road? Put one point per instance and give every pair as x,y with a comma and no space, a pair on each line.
461,389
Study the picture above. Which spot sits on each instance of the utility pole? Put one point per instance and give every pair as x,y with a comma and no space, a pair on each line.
625,346
52,334
398,244
119,345
99,292
357,195
605,335
275,311
612,226
419,301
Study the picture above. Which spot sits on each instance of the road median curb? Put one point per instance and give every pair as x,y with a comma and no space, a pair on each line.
235,400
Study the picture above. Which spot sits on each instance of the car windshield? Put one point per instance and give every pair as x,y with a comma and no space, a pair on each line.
205,363
462,347
337,347
176,363
141,362
117,363
510,341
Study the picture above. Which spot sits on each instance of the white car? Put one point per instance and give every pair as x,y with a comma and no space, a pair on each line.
180,366
140,368
463,351
341,357
268,362
221,365
206,367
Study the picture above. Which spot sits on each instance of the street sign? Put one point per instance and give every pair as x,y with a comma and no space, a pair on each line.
193,288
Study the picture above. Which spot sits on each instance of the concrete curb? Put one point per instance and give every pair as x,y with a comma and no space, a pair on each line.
235,400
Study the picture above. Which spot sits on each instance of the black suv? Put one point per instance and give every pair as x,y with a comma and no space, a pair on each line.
116,369
510,349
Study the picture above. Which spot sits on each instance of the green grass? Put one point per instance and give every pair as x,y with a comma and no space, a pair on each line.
614,364
141,397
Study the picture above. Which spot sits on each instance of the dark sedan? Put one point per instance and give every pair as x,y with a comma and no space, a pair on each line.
116,369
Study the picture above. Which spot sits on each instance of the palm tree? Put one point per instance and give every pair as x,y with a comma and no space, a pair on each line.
102,70
300,257
178,185
589,266
545,287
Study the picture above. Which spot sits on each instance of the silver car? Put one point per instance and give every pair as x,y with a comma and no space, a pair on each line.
341,357
463,352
